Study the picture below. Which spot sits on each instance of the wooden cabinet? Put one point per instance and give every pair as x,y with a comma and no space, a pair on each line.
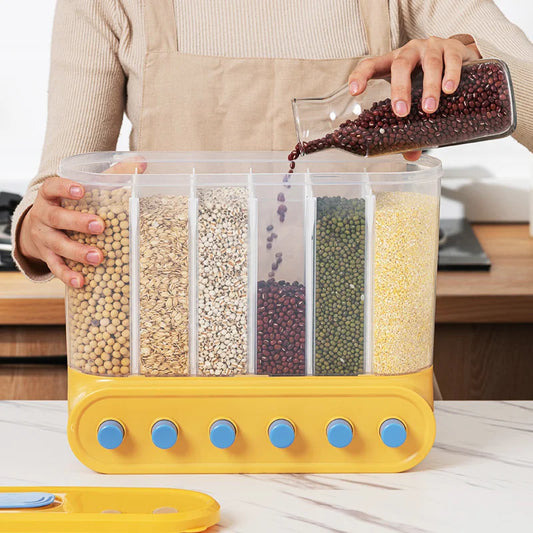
33,362
484,321
484,361
32,339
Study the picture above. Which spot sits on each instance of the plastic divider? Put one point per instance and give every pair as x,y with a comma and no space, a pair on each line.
252,274
193,277
68,327
370,210
134,278
309,275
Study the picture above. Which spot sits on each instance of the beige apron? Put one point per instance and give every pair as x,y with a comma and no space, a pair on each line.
195,102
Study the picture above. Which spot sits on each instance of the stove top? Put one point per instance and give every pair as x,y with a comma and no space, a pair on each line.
459,248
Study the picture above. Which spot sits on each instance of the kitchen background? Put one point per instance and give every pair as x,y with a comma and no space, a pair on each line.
490,178
484,320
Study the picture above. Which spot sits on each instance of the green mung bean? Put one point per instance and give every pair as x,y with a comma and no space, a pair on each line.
339,286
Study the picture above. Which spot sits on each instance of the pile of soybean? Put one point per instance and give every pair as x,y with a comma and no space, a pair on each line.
339,286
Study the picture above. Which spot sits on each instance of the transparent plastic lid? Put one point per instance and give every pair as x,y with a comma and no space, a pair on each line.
166,168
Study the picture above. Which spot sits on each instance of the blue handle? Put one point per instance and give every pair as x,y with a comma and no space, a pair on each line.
164,434
110,434
281,433
393,433
339,433
222,434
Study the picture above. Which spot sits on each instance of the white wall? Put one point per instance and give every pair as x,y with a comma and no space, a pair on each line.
25,30
519,12
25,36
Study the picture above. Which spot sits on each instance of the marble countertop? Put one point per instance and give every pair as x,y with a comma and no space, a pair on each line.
478,477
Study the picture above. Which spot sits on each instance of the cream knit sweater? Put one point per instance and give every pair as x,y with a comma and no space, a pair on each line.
98,53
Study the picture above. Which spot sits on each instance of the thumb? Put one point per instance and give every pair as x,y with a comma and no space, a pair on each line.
130,165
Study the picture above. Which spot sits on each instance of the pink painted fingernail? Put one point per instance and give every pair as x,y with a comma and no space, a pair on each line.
401,107
354,87
93,257
76,191
448,86
95,227
430,104
75,282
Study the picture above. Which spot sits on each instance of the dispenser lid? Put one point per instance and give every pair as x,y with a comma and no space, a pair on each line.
105,509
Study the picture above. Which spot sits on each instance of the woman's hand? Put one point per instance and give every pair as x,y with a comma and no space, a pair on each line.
42,236
440,59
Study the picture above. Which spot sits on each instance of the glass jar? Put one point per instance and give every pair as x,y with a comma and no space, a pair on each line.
481,108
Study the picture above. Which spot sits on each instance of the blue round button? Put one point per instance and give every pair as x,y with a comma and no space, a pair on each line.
164,434
281,433
339,432
110,434
393,433
222,433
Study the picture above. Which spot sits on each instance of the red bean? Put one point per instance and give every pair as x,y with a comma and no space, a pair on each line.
281,345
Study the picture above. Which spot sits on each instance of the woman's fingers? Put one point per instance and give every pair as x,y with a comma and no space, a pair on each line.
60,244
55,188
433,54
57,266
67,219
366,69
453,62
432,67
401,69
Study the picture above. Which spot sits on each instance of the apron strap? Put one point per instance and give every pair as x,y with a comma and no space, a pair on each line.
375,15
160,25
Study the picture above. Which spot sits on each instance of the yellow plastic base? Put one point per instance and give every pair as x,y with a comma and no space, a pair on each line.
252,403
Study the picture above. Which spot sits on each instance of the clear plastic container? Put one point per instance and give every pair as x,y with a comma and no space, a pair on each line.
222,277
481,108
340,265
99,320
161,242
223,264
280,334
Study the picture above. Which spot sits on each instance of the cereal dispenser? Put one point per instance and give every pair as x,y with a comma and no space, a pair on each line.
248,319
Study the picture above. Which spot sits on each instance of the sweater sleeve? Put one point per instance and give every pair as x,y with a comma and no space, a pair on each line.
86,98
494,35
